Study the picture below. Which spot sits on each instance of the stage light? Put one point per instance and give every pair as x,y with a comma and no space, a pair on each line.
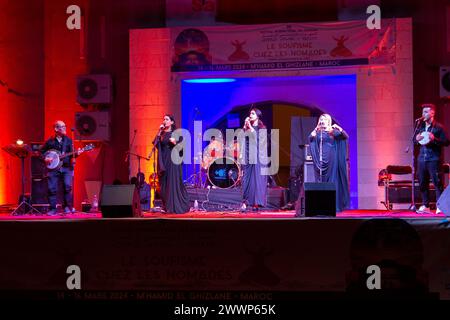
19,142
210,80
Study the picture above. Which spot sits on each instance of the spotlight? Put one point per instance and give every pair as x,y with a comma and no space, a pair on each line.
19,142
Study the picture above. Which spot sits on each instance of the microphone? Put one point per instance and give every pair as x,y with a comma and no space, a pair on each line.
247,121
161,126
420,119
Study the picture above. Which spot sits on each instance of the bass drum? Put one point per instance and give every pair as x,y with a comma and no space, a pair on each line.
224,173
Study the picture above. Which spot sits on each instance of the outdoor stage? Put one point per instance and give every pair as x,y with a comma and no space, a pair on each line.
225,251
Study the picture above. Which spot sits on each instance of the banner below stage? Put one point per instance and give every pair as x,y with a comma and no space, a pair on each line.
159,259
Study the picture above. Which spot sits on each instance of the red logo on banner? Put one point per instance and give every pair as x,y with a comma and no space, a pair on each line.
238,54
340,50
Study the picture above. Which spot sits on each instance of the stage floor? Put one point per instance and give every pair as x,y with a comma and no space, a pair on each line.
264,214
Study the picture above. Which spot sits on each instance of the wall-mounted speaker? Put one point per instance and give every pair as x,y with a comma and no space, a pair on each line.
444,82
94,89
120,201
92,126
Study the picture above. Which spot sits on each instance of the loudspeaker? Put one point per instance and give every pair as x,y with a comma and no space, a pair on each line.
444,82
120,201
317,199
39,190
92,126
308,172
94,88
444,201
38,169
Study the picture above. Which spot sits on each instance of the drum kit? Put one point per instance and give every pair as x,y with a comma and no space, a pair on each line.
221,165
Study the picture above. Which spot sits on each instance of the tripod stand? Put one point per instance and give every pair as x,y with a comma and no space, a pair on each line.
196,179
21,151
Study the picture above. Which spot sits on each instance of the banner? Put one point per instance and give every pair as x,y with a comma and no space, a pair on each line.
282,46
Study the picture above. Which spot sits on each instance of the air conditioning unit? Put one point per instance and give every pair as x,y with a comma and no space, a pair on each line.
94,89
92,126
444,82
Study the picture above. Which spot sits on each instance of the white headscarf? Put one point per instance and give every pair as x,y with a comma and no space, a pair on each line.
328,120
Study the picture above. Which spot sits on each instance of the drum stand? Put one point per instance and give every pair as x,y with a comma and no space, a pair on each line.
196,179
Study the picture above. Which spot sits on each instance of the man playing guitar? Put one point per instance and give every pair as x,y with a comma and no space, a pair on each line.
432,138
62,143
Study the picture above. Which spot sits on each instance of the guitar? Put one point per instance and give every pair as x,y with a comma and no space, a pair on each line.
56,157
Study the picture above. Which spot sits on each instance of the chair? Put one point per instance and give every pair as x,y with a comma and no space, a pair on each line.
399,191
385,179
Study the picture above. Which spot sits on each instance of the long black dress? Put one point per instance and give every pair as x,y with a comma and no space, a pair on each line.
254,184
333,164
173,193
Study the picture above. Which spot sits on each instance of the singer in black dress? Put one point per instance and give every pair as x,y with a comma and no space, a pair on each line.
173,193
254,183
329,152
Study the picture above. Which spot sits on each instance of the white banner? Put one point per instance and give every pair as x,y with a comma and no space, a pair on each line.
282,46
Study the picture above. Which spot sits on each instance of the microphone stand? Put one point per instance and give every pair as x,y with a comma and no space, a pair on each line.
154,174
413,168
139,157
127,154
320,155
198,176
73,172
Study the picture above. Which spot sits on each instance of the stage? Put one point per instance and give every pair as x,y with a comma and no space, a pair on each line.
231,214
221,251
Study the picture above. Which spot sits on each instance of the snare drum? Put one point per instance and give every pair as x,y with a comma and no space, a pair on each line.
224,173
